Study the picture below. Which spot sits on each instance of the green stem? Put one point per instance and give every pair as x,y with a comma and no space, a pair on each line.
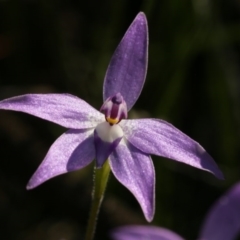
100,183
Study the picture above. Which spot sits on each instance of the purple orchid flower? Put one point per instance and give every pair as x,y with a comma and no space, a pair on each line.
222,223
106,134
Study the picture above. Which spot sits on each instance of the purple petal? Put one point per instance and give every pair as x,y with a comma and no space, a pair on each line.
223,220
63,109
103,149
135,171
144,233
127,69
73,150
154,136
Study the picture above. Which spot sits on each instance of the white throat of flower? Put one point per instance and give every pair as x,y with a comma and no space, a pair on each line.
109,133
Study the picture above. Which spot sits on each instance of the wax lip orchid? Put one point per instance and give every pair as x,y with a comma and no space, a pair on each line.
108,134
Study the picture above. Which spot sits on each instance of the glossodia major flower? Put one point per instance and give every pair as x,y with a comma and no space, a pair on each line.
221,223
106,134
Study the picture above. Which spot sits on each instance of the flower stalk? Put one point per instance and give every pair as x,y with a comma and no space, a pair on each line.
100,182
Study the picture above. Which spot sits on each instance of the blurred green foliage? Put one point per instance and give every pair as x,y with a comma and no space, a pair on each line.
193,82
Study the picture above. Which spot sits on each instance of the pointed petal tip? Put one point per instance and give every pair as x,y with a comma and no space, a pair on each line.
207,162
217,173
150,218
32,183
141,16
29,186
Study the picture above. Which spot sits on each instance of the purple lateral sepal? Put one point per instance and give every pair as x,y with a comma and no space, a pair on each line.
103,149
127,69
223,220
143,233
64,109
134,169
155,136
73,150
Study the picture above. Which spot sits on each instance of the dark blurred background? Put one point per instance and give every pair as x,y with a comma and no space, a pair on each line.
193,82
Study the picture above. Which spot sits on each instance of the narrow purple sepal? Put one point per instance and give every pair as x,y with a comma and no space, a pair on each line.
223,220
134,169
127,69
73,150
64,109
103,149
155,136
144,233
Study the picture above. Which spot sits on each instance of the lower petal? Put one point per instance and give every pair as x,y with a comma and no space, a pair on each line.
103,149
73,150
106,139
135,170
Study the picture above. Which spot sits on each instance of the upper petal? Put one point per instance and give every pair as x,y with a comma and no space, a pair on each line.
73,150
223,220
127,69
143,233
158,137
135,171
64,109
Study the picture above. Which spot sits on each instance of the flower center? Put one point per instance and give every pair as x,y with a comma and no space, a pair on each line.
106,139
108,133
115,109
